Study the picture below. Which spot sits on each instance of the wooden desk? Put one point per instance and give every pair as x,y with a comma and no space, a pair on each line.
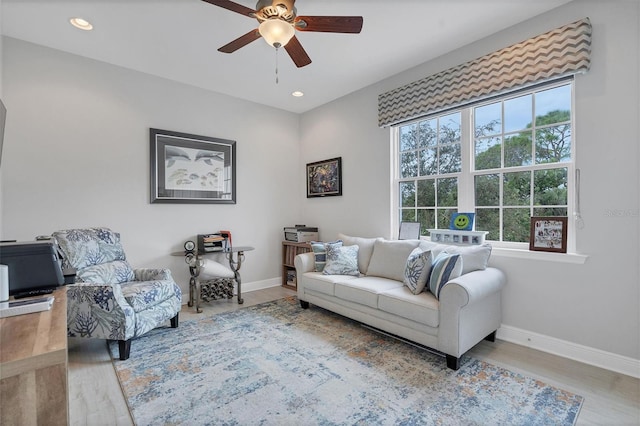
33,366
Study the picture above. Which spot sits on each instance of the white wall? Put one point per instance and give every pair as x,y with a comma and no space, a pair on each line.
596,304
77,154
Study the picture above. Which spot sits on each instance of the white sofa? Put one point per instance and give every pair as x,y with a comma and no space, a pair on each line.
468,309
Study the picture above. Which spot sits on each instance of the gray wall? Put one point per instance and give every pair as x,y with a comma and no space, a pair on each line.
595,304
77,154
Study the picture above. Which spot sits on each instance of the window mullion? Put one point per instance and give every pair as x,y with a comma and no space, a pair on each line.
466,194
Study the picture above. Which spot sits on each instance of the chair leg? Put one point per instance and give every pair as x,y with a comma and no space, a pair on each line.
125,348
174,321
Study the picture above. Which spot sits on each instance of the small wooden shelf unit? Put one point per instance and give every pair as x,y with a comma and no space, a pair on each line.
289,252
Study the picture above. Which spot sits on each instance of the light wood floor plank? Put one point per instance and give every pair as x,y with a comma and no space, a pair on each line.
95,397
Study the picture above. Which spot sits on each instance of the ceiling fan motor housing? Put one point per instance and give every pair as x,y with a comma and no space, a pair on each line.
276,9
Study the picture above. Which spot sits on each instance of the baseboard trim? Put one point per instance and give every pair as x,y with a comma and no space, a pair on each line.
588,355
259,285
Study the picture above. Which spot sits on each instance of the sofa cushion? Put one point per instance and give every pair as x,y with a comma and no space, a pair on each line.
364,290
316,281
422,308
142,295
417,270
365,249
320,252
118,271
445,267
341,260
389,258
474,258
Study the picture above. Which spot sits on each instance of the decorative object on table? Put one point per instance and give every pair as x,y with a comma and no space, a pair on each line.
312,357
451,236
462,221
278,24
409,231
324,178
111,300
548,233
301,233
189,168
216,242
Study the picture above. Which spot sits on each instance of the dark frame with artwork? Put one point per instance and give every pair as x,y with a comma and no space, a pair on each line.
188,168
548,233
324,178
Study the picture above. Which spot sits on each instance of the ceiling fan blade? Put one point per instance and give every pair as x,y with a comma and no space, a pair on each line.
242,41
232,6
330,24
297,53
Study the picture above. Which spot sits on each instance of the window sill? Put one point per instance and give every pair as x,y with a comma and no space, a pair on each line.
574,258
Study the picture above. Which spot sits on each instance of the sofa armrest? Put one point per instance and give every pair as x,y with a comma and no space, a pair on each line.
152,274
305,262
99,311
470,310
471,287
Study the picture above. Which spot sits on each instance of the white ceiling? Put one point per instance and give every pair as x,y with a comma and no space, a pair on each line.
178,40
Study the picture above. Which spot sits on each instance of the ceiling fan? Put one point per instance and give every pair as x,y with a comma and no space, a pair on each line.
278,21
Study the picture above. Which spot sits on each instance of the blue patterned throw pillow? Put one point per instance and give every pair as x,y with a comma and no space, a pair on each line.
342,260
320,252
416,273
445,267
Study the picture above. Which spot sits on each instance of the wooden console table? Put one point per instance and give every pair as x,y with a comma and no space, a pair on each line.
33,366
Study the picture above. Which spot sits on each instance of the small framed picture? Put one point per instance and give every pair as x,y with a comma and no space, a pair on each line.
548,234
324,178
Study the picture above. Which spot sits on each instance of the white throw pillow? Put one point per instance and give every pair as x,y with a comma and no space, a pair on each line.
445,268
417,271
341,260
389,258
365,249
474,258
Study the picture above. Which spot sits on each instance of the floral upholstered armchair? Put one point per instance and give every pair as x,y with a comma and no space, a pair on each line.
109,299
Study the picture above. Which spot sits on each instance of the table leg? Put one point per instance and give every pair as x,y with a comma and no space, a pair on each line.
235,267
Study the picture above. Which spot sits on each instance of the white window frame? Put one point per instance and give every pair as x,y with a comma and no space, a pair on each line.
466,200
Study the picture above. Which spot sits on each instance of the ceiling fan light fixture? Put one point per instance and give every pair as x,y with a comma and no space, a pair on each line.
276,32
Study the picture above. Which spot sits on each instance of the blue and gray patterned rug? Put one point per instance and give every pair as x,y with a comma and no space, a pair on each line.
277,364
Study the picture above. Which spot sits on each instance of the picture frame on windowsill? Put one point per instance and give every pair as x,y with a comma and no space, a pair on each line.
548,233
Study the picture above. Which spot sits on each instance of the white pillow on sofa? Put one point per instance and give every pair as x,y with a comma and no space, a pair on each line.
418,270
389,258
341,260
365,249
474,258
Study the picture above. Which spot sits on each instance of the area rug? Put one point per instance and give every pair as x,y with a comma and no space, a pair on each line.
277,364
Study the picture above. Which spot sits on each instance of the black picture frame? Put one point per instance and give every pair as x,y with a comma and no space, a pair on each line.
548,233
188,168
324,178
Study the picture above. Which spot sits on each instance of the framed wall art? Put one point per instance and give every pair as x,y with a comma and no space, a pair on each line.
189,168
548,234
324,178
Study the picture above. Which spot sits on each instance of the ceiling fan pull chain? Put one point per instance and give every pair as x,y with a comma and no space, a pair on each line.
277,65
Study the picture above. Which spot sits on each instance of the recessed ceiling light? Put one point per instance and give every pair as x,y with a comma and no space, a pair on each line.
297,94
83,24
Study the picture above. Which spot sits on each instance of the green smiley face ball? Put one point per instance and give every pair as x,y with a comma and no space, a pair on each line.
461,221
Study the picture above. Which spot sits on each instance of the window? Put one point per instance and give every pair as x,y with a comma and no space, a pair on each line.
506,159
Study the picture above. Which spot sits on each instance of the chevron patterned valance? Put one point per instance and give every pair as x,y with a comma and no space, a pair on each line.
561,52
